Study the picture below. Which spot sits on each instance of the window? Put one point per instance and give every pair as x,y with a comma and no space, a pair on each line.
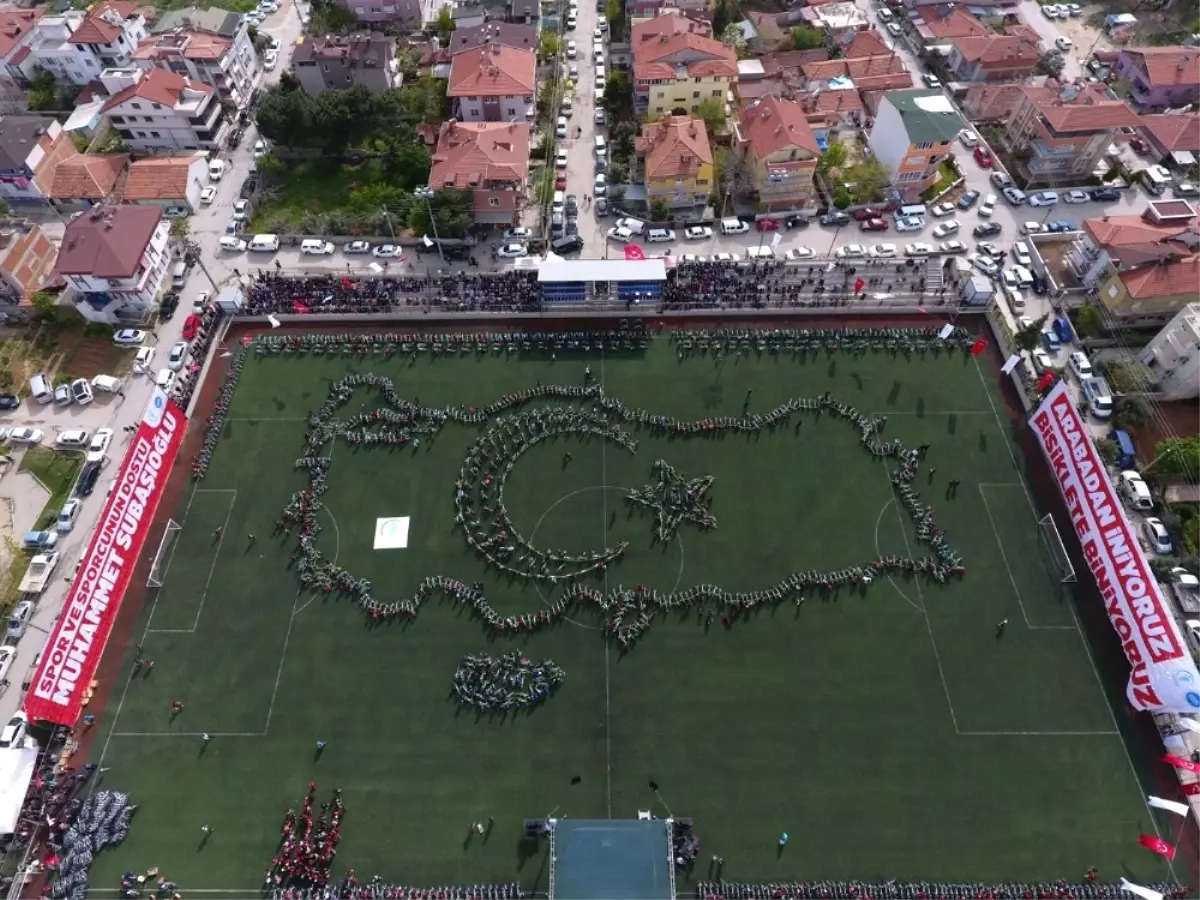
925,145
136,105
154,134
117,120
696,80
359,11
474,114
695,95
528,99
915,160
701,181
493,201
659,95
717,93
140,134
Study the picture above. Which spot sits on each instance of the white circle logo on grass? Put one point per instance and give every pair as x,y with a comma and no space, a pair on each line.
391,533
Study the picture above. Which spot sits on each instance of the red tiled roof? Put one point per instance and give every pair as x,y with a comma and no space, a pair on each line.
1085,117
773,124
493,70
1168,66
668,24
865,43
195,45
165,178
1110,232
787,62
107,242
957,23
674,147
854,69
14,25
830,106
1174,133
758,88
96,29
479,152
158,86
1163,279
655,53
87,177
999,51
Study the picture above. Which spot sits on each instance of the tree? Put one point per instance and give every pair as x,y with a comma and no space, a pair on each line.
614,13
618,97
1131,410
1050,64
549,46
726,12
712,111
733,38
284,117
659,211
43,90
180,228
452,212
1029,337
408,163
1179,456
1087,321
1109,452
343,118
444,23
866,180
805,38
4,207
834,157
616,193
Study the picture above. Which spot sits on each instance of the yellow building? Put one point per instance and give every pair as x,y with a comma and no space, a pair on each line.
676,66
676,161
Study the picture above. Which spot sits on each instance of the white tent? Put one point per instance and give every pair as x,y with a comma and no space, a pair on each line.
16,771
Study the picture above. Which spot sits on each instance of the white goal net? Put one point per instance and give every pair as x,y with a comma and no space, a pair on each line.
1054,545
162,556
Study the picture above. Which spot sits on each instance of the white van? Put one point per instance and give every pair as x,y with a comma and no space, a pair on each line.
917,209
1016,300
179,274
40,388
601,146
1157,178
107,383
760,253
316,247
734,226
637,226
216,170
263,243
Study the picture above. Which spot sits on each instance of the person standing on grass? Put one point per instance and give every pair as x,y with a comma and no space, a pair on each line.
1000,626
217,532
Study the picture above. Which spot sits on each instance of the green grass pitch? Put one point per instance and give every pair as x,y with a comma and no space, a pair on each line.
890,733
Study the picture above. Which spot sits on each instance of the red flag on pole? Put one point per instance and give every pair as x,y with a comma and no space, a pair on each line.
634,252
299,307
1158,845
922,309
858,285
979,346
1181,763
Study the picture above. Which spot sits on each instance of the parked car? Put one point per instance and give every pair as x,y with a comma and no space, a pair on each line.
9,401
208,195
81,390
1000,179
873,225
919,249
355,247
386,251
1014,195
795,253
837,219
13,735
850,251
129,337
697,233
967,200
766,224
909,223
983,157
945,229
232,244
988,207
986,229
1075,197
796,222
952,247
1080,364
984,264
1043,198
68,514
512,251
968,138
1060,226
943,209
25,436
1105,194
99,444
1157,535
1021,255
74,439
190,326
882,251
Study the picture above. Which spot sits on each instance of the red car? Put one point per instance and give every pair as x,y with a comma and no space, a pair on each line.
983,157
190,326
869,212
873,225
767,225
560,183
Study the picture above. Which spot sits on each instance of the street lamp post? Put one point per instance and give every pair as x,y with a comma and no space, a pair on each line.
426,193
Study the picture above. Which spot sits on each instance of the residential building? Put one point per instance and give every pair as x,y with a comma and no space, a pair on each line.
779,153
996,57
31,147
17,33
228,64
1065,133
1173,356
336,62
114,260
834,17
80,48
438,53
1144,268
1161,77
405,13
27,258
938,26
1173,138
172,182
676,67
494,83
489,159
766,34
85,180
51,48
911,137
639,11
155,111
675,161
992,102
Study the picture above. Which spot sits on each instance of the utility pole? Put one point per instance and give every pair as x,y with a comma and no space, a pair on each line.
426,192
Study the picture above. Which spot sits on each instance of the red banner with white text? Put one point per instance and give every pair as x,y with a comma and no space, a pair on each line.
78,638
1164,676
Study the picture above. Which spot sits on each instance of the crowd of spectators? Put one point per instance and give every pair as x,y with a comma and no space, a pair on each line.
927,890
512,291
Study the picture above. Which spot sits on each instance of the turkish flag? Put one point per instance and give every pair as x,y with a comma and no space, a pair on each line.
1181,763
633,252
299,307
1158,845
347,283
979,346
247,340
1045,381
922,309
858,285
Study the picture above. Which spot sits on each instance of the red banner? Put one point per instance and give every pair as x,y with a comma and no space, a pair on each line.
1158,845
634,252
979,346
1181,763
77,642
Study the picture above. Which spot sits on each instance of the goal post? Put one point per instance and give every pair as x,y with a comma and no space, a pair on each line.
162,556
1052,539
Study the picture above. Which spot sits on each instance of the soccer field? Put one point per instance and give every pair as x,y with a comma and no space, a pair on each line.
886,727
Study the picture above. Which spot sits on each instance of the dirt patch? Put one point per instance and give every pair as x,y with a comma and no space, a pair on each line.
59,352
